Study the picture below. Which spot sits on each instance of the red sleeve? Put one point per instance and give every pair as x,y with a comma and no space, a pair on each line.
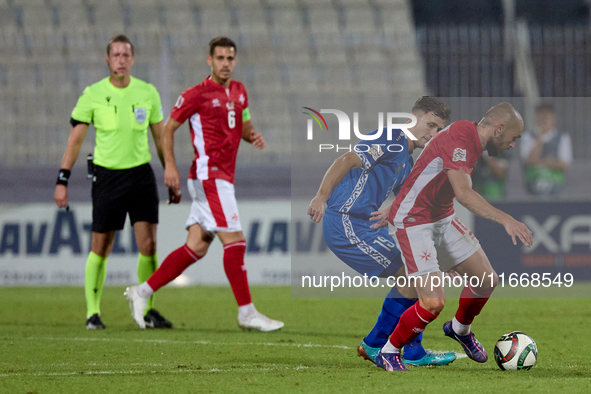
458,154
186,105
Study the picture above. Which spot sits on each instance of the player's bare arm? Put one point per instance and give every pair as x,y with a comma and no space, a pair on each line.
251,136
333,176
462,185
72,150
171,172
157,129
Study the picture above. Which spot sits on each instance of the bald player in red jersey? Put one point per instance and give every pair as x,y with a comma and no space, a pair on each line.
433,240
219,118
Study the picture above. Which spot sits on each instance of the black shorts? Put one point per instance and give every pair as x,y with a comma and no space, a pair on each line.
117,192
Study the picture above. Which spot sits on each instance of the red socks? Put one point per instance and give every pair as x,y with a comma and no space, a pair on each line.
471,303
412,322
173,265
236,272
177,261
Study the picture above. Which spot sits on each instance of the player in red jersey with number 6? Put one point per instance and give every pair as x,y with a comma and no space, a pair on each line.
433,240
219,117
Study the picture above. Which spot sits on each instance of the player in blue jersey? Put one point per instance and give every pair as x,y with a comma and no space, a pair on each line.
349,198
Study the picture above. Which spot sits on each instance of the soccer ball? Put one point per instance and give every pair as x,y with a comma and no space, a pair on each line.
516,350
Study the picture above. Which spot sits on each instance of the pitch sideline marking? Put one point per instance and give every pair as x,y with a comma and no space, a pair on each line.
211,370
286,344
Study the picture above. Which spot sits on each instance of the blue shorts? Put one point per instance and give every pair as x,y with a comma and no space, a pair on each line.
368,251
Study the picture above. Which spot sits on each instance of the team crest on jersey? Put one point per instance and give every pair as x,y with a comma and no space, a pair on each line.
179,102
230,105
215,103
459,155
242,99
140,115
375,151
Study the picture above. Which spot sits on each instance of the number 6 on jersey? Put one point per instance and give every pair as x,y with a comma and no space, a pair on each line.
231,119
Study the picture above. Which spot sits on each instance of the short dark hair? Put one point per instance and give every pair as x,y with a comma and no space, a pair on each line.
545,107
120,38
431,104
221,42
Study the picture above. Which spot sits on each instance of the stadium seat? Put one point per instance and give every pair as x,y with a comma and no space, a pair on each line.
359,4
266,80
236,3
317,3
323,21
251,20
358,19
287,22
337,80
144,17
107,14
392,4
36,16
329,50
28,2
374,80
370,55
179,18
216,22
294,56
302,81
291,4
72,16
6,17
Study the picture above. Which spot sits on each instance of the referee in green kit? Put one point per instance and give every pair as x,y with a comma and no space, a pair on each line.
121,108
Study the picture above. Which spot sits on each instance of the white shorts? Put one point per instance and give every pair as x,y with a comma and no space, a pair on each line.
214,205
435,247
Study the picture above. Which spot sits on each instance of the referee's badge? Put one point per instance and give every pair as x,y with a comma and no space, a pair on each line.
140,115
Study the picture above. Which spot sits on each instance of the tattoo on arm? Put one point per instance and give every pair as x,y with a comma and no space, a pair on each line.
483,215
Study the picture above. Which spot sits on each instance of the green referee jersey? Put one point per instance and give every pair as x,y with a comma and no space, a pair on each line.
121,117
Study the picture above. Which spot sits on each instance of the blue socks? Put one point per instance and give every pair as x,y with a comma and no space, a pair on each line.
394,306
415,350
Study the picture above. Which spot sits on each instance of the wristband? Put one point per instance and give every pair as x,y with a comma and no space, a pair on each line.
63,176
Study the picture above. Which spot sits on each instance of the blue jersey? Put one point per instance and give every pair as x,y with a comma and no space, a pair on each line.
385,166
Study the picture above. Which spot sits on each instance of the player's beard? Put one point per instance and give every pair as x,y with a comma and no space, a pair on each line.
492,148
223,79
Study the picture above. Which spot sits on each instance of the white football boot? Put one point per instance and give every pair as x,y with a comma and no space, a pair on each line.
260,322
137,304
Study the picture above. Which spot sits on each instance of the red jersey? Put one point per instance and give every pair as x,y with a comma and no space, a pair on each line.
427,195
215,121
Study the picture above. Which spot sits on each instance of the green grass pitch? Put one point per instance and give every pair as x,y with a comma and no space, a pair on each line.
44,347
